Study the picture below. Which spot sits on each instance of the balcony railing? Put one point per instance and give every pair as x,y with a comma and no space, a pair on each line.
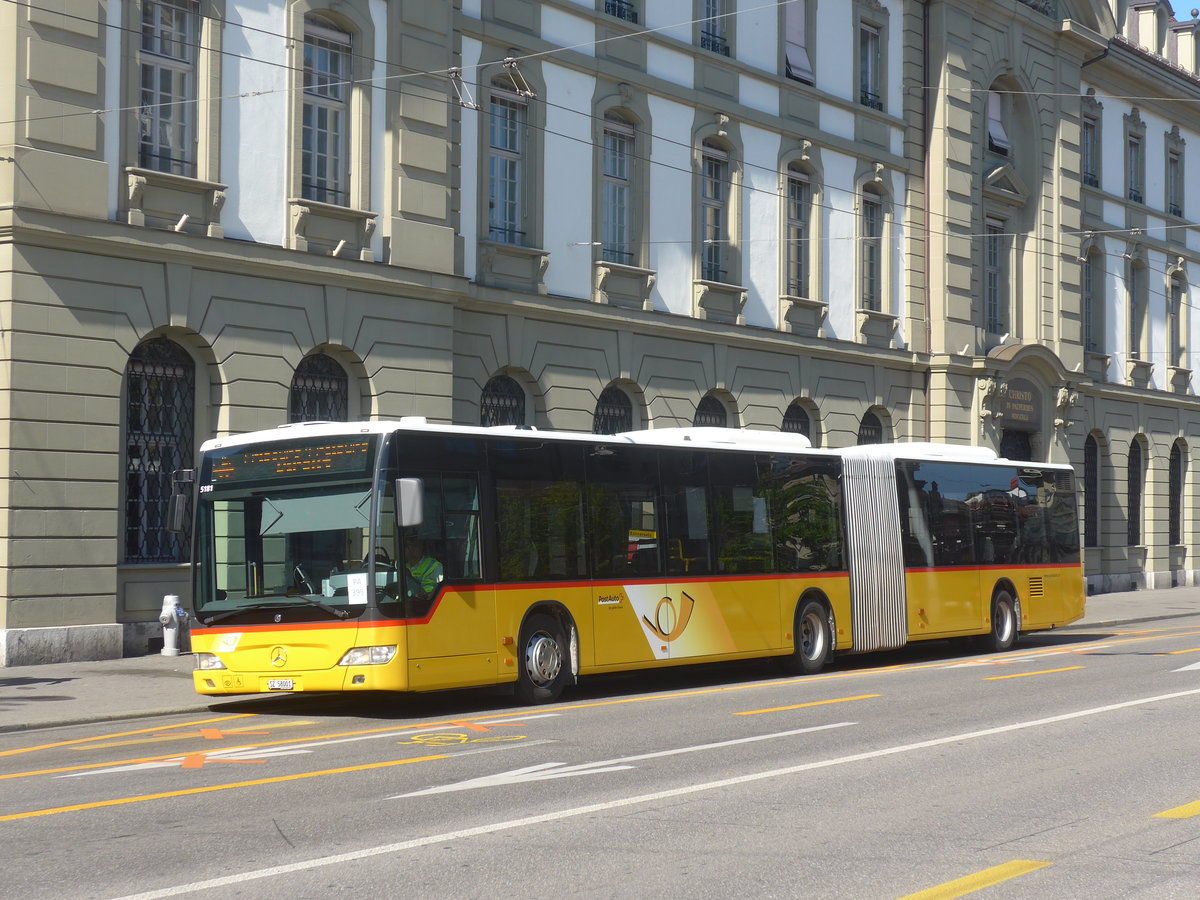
873,100
716,43
1090,179
621,9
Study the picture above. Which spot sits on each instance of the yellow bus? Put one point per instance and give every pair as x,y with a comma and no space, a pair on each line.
407,556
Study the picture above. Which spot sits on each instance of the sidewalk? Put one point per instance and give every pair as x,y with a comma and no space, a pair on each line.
115,689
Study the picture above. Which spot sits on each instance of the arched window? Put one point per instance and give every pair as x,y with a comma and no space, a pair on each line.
710,412
1091,492
796,421
614,412
320,391
1175,497
502,402
1134,493
870,430
160,410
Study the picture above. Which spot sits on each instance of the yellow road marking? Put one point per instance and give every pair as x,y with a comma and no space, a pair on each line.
1177,652
1180,812
1026,674
980,880
123,734
755,712
166,795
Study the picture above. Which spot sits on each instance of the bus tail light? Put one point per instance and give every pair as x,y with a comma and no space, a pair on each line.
369,656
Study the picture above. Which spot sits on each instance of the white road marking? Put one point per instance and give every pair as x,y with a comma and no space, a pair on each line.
544,771
575,812
1190,668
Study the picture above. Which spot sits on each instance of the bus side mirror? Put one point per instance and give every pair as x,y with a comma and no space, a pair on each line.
177,508
409,508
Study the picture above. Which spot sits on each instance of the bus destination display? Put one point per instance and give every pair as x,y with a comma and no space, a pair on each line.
336,456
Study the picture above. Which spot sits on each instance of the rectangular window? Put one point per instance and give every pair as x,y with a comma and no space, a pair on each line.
615,187
167,108
325,115
871,273
621,9
1133,169
1137,312
795,41
997,137
1093,287
1175,323
505,169
869,93
713,27
995,277
1089,153
714,211
1174,184
798,207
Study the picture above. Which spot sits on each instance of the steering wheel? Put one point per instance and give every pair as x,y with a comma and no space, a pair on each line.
303,581
382,557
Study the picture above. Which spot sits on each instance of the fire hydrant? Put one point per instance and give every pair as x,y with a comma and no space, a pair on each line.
172,618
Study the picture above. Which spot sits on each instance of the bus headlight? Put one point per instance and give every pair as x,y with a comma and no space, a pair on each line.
208,661
368,656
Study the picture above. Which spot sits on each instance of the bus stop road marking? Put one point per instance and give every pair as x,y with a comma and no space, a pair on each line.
159,728
969,884
543,771
306,865
755,712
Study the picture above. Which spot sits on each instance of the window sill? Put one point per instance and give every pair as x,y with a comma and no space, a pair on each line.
628,287
1138,372
330,229
715,301
174,202
876,328
513,266
799,315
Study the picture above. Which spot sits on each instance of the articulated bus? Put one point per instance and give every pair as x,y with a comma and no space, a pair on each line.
407,556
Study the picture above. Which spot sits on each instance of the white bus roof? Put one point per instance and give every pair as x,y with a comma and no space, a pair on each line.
692,437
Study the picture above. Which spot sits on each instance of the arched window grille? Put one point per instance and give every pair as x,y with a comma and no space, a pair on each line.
160,398
1134,494
1175,497
502,402
614,412
870,430
320,391
710,412
796,421
1091,492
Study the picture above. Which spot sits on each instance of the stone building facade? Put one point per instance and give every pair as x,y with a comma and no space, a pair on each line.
864,220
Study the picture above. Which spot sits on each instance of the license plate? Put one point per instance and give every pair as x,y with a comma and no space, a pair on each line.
281,684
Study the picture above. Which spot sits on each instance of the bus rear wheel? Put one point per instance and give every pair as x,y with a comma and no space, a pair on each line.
1004,624
543,666
812,639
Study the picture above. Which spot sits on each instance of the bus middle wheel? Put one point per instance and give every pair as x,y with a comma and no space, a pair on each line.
544,662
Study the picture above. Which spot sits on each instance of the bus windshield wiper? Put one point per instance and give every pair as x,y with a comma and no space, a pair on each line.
281,603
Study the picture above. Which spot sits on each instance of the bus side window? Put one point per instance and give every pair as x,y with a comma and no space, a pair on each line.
804,506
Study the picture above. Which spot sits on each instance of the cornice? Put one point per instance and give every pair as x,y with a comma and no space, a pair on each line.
152,245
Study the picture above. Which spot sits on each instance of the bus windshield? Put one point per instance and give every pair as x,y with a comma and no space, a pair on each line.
274,540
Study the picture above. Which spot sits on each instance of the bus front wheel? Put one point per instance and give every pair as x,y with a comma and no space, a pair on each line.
1003,634
543,666
812,639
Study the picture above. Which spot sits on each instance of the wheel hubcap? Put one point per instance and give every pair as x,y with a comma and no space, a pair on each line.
812,637
543,659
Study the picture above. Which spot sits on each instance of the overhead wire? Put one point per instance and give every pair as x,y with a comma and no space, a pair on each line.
778,194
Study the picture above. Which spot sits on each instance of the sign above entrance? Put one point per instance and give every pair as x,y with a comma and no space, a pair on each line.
1020,403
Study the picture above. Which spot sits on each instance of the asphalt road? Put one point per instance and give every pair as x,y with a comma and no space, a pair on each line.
1067,768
